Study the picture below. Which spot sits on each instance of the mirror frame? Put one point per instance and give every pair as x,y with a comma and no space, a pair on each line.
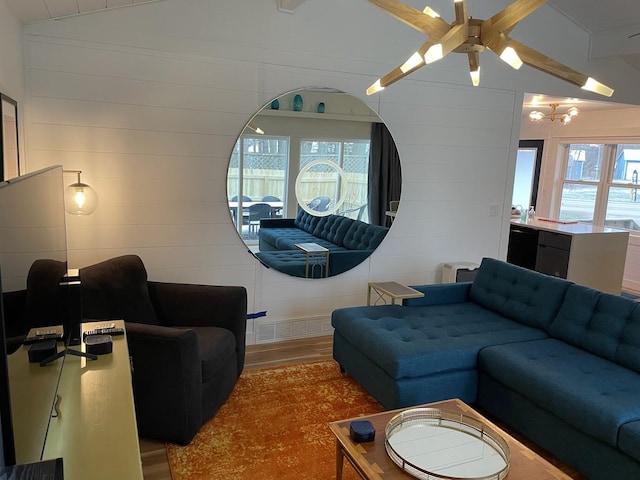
320,104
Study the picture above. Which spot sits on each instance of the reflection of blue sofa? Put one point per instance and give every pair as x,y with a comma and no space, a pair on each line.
557,361
349,241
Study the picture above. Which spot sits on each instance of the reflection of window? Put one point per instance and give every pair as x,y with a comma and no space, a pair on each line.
350,155
257,173
601,184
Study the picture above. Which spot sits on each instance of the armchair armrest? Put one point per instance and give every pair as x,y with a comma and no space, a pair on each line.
166,381
190,305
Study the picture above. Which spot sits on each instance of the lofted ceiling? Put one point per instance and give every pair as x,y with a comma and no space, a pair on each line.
32,11
611,24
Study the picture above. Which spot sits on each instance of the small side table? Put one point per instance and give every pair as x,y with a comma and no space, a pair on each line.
315,256
394,290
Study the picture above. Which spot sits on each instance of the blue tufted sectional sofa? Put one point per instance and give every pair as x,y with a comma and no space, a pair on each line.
349,241
557,361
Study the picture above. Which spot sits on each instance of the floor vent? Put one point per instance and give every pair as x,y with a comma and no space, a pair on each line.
278,330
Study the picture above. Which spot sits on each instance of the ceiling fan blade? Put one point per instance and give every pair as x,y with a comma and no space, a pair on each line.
548,65
414,18
506,19
415,62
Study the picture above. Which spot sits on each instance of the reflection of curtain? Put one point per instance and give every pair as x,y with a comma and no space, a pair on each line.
385,178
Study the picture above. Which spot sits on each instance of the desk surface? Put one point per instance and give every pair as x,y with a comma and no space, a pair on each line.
33,390
96,432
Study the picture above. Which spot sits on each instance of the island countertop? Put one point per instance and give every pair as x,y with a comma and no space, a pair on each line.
566,228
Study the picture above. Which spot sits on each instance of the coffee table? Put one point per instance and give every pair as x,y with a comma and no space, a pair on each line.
371,462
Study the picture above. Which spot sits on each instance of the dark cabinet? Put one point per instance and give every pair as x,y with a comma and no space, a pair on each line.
552,254
583,253
523,246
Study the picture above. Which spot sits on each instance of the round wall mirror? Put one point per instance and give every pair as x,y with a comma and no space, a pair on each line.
313,183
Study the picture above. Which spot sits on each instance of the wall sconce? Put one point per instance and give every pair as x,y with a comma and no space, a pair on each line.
79,198
536,116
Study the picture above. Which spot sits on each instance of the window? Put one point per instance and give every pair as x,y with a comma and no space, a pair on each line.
257,174
600,184
350,155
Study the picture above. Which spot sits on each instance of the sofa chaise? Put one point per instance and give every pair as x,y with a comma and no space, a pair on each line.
557,361
349,241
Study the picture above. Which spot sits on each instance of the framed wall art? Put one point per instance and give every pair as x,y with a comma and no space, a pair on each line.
9,151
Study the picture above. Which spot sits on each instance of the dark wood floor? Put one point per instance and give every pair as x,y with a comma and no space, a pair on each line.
154,455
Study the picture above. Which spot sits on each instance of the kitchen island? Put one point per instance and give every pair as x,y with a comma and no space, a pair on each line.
586,254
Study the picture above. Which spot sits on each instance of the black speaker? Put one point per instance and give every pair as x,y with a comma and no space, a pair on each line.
72,288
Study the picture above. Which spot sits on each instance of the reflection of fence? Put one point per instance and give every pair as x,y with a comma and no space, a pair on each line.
260,182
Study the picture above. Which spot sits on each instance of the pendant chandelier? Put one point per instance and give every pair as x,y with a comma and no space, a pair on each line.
471,36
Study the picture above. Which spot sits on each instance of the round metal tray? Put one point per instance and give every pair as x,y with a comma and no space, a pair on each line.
434,444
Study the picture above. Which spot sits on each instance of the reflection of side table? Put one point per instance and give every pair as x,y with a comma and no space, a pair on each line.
316,256
394,290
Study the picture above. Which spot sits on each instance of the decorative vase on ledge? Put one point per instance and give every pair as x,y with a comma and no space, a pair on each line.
320,108
297,103
275,105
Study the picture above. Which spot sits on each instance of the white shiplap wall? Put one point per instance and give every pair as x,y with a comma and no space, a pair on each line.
11,60
149,104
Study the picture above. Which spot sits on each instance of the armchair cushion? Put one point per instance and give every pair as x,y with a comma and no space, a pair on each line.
117,289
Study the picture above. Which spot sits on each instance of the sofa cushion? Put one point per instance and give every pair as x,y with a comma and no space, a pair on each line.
587,391
629,440
332,228
523,295
419,341
305,221
117,289
628,353
592,320
363,236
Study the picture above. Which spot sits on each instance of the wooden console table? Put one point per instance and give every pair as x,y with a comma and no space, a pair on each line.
93,424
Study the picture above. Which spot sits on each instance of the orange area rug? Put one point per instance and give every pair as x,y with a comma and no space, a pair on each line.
274,426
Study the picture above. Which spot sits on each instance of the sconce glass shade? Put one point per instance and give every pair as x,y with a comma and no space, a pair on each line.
80,198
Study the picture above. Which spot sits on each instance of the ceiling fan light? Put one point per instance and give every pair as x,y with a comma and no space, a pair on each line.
414,61
536,116
594,86
375,88
431,12
475,77
510,56
434,53
573,111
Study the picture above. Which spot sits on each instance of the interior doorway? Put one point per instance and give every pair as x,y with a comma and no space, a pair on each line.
527,174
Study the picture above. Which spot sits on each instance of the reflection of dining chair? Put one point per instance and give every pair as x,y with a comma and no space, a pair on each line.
234,210
356,212
393,205
276,212
319,204
256,212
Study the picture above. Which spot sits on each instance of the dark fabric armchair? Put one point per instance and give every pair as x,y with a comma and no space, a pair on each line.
186,342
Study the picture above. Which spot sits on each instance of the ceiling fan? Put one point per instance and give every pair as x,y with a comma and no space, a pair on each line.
472,36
